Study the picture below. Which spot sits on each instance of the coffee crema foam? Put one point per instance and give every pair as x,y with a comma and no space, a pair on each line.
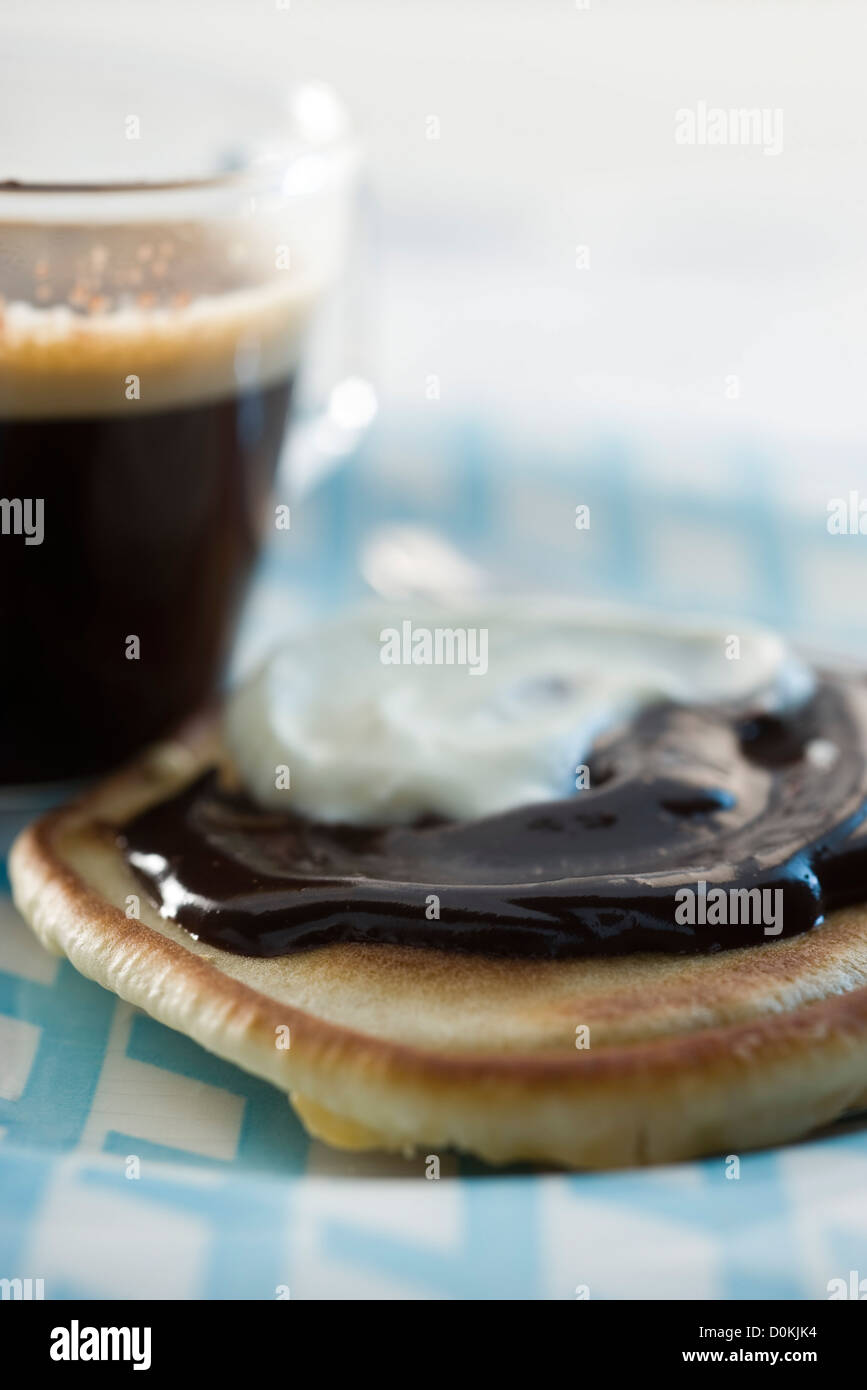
190,327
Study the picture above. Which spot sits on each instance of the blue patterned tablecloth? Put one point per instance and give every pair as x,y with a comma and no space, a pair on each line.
228,1197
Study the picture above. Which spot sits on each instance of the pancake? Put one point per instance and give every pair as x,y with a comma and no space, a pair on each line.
417,1049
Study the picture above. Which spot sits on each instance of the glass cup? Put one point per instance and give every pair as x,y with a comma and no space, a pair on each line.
167,237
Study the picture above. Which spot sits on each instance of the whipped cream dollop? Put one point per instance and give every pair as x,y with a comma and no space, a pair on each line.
382,717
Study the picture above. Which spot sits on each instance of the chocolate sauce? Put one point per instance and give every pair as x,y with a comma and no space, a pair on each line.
686,795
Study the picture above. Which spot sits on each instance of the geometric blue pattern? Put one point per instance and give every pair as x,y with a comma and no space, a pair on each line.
54,1107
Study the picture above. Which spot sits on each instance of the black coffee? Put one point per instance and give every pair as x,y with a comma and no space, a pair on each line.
151,523
145,377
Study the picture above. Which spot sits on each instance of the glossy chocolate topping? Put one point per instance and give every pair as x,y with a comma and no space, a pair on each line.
687,797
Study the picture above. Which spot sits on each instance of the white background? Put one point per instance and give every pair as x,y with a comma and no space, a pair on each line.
557,130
